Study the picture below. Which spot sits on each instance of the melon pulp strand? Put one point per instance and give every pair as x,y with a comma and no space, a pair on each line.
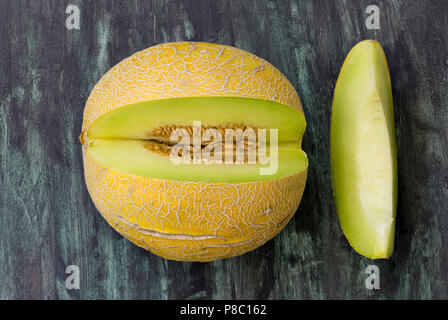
363,151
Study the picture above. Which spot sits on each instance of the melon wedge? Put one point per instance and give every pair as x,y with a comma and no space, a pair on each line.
363,151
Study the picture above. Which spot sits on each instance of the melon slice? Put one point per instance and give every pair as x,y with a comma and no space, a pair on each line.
363,151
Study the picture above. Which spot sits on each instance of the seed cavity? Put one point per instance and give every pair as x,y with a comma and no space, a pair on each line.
241,143
166,131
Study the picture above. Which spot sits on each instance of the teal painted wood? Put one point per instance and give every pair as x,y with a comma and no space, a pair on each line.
48,221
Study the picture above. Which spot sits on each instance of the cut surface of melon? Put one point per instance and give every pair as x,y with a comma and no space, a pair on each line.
118,140
363,152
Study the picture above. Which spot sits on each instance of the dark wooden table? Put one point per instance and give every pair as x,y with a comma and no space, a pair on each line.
47,220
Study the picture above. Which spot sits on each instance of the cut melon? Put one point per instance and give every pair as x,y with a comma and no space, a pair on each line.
210,207
363,151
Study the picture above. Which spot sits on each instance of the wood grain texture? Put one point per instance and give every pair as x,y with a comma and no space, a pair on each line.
47,220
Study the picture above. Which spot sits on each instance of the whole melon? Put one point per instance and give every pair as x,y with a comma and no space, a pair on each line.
201,210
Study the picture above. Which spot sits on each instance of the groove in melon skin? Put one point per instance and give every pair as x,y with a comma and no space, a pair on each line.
241,216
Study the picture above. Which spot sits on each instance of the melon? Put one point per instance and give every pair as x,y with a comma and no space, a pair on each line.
363,151
212,203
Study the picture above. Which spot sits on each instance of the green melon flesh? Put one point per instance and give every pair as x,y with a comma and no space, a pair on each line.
363,151
117,139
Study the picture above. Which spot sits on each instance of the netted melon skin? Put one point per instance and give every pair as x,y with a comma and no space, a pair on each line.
193,221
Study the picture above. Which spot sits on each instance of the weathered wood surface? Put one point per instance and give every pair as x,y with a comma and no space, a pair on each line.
48,221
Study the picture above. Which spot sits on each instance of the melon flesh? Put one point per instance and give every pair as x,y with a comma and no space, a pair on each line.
117,139
363,151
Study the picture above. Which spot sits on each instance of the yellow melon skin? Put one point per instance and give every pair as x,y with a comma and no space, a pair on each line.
190,221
